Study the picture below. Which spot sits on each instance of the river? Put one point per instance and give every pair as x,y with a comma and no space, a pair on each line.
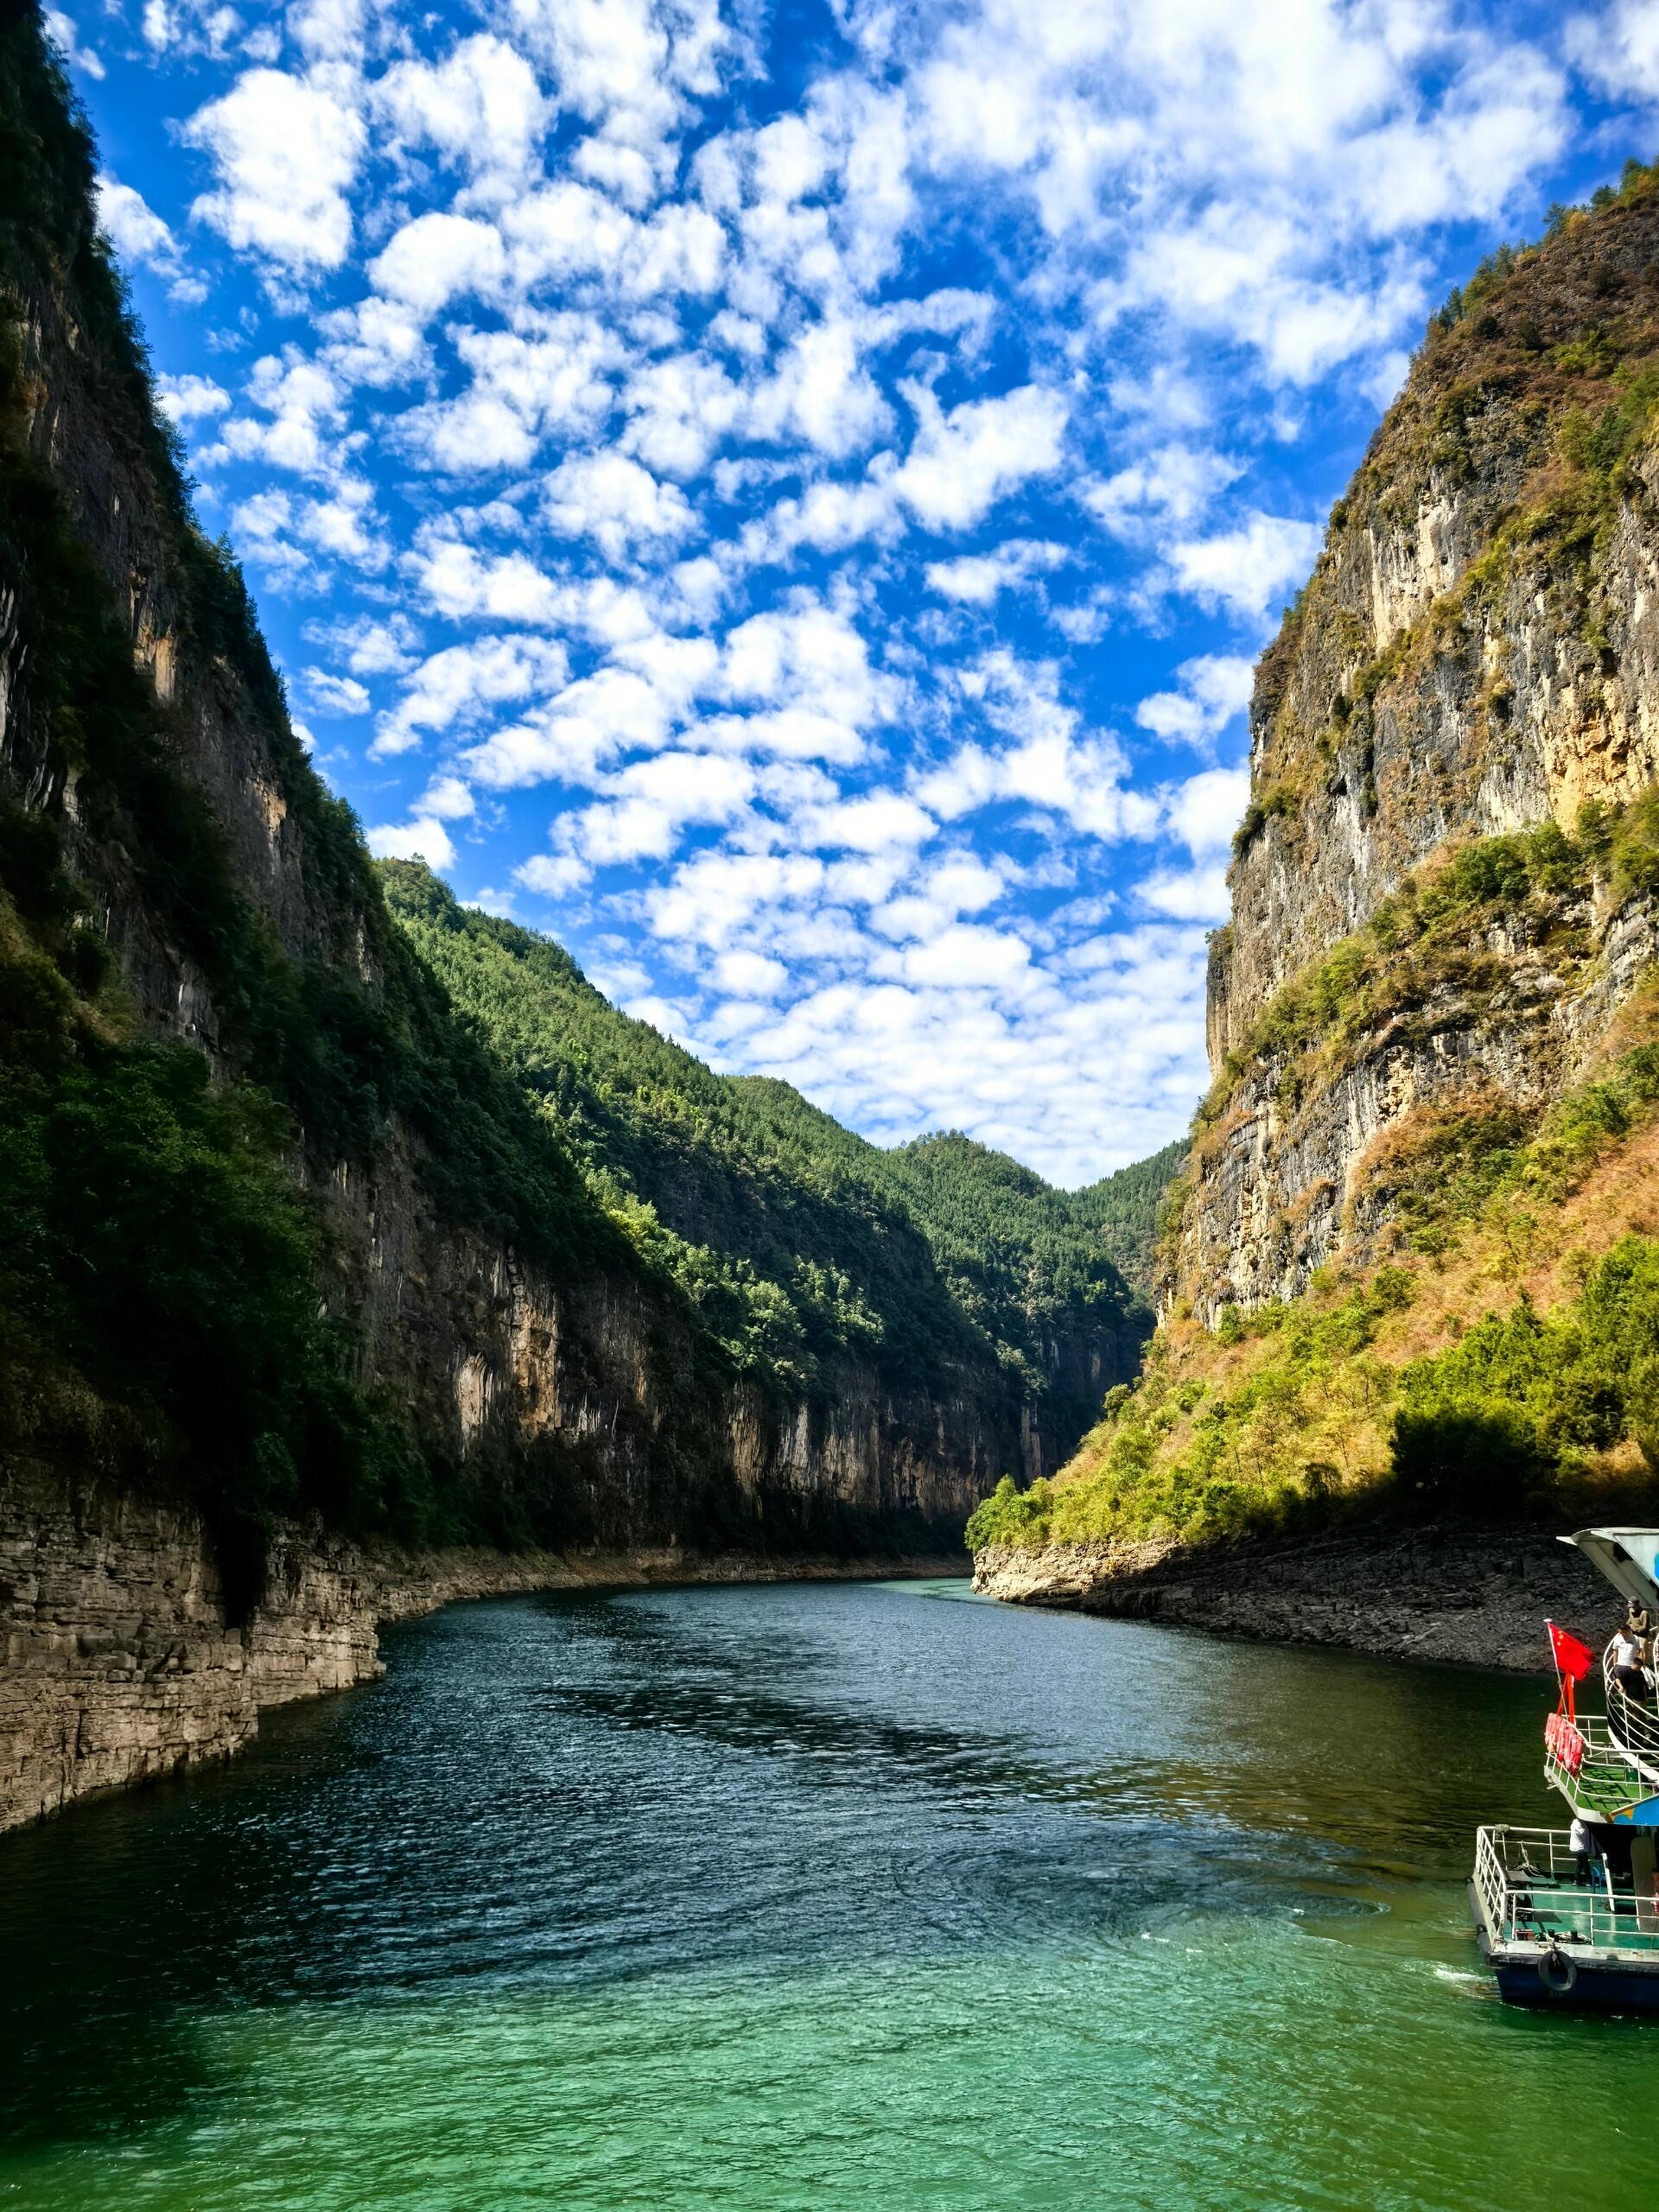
875,1897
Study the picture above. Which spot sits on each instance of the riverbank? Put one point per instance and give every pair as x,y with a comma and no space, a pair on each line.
1466,1596
120,1665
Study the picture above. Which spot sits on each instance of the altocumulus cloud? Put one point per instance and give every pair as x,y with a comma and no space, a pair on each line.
805,539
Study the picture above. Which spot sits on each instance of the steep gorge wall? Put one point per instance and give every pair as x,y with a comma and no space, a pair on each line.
575,1390
1477,653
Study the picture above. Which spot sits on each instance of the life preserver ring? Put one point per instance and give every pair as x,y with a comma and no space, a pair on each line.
1557,1973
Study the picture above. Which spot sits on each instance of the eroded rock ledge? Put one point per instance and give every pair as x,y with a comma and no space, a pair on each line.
1477,1597
119,1665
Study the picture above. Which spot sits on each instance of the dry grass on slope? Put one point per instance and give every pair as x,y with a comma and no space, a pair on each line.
1501,1356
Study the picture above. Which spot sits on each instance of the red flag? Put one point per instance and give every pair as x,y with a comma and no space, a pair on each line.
1572,1659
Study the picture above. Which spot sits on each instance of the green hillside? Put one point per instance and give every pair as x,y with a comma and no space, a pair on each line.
1124,1210
796,1238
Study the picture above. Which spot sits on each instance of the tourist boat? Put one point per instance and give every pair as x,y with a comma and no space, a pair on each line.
1580,1928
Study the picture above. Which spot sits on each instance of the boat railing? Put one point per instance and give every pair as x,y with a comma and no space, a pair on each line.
1632,1723
1535,1889
1582,1761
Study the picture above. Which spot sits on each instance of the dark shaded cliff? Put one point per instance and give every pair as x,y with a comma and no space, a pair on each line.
284,1231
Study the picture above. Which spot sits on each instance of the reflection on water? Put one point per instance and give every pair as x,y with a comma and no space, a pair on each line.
737,1897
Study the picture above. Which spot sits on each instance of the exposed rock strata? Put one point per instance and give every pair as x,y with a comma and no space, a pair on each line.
1286,1182
1474,1596
119,1665
1477,652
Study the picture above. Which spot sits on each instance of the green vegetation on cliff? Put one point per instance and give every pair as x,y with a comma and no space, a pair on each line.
794,1238
1505,1357
1125,1211
1522,1415
1457,1102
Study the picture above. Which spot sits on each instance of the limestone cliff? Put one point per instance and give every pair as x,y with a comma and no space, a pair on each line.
121,1666
506,1360
1409,1276
1476,653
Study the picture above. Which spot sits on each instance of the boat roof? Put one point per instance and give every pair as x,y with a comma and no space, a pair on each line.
1627,1557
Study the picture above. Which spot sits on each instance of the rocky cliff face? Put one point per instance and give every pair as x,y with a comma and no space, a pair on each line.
549,1380
1477,653
572,1387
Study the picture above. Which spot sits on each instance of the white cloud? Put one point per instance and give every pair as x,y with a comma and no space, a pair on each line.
435,256
547,376
750,975
822,393
305,409
878,822
1173,484
612,499
808,656
1196,894
1044,759
139,233
1246,571
459,686
960,464
1214,689
481,108
978,578
191,398
578,731
61,29
302,540
645,808
334,695
447,798
1206,809
680,410
1618,50
624,62
422,837
368,646
286,152
460,582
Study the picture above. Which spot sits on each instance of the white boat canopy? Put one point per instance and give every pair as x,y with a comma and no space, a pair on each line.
1627,1557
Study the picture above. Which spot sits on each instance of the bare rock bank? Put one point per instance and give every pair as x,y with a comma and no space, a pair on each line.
1474,1596
120,1664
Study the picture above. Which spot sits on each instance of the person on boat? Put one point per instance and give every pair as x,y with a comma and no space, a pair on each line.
1626,1655
1581,1842
1640,1624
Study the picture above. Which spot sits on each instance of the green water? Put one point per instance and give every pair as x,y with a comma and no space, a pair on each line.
865,1897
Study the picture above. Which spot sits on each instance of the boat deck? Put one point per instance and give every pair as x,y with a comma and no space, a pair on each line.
1593,1774
1533,1901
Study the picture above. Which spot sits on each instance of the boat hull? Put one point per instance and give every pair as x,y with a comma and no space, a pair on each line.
1597,1989
1600,1985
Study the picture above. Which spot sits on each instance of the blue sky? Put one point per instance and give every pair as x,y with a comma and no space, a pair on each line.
786,499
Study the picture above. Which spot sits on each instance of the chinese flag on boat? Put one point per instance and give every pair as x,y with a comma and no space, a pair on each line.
1573,1658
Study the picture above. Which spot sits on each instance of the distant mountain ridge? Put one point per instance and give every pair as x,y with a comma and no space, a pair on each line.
797,1240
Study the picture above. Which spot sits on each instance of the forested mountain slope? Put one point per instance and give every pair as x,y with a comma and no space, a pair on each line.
281,1231
1410,1264
797,1241
1124,1211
